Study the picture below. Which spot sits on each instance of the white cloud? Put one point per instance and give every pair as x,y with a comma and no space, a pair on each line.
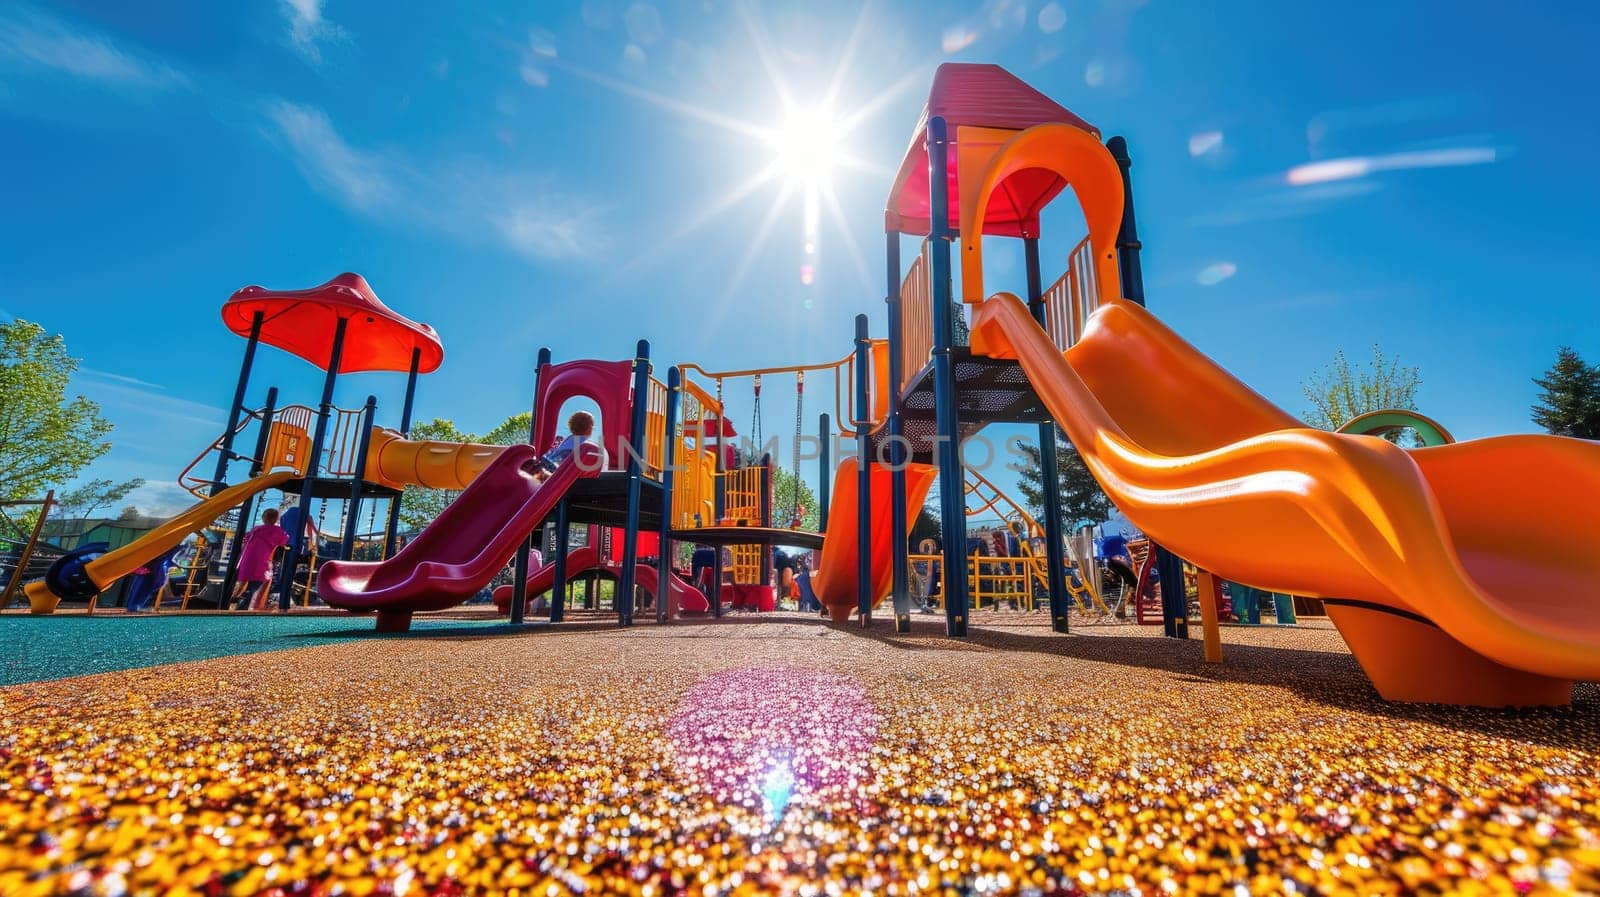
36,40
1052,18
1204,142
308,30
1216,273
1356,167
463,198
358,179
957,38
534,76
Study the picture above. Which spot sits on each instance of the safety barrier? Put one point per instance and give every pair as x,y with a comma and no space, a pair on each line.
1072,298
655,429
916,319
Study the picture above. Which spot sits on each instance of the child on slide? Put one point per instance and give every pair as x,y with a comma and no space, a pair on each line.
581,427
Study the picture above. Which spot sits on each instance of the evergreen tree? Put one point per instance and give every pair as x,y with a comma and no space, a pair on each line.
1569,397
1081,496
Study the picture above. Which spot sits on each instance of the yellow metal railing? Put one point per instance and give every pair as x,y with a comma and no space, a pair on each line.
1072,298
655,428
916,319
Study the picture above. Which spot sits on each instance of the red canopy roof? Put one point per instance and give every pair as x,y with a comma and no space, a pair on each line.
985,96
303,322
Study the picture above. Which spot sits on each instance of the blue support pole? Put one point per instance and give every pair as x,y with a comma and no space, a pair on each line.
952,497
405,430
257,467
668,475
719,506
636,446
900,548
219,478
863,366
519,569
824,469
297,539
1050,475
352,513
558,582
1174,605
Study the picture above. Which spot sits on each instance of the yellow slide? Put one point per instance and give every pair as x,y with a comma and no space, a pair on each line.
98,574
1465,573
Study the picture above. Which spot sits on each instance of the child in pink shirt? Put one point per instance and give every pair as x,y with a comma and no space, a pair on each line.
255,558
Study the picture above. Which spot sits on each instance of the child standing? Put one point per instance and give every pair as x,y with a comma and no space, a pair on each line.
256,556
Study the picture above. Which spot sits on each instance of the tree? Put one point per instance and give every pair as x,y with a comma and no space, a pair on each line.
46,438
511,431
80,503
926,526
1339,392
1569,397
1081,497
420,505
129,514
786,490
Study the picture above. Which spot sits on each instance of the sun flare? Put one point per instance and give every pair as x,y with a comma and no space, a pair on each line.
808,146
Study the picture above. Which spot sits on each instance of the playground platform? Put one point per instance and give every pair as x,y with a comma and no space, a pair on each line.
771,753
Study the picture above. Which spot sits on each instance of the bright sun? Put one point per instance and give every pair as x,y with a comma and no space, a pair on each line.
808,144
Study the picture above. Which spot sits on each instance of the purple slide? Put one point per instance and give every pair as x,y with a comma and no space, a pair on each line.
461,551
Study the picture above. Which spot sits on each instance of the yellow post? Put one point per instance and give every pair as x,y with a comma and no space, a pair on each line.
1210,625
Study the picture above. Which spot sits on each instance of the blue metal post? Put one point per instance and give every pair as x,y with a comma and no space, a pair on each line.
219,478
824,469
405,430
1174,604
952,497
863,365
519,569
352,512
1050,475
670,459
899,545
257,467
558,582
719,506
297,539
637,445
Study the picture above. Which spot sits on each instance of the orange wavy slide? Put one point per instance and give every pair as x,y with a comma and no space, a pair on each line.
834,581
1466,573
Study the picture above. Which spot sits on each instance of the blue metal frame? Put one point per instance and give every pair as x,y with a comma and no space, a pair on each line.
1050,475
900,548
952,497
1169,567
257,467
637,445
519,570
719,506
219,478
863,366
297,538
558,582
352,512
670,459
405,430
824,469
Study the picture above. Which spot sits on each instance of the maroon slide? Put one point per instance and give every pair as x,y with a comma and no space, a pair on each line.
462,550
581,560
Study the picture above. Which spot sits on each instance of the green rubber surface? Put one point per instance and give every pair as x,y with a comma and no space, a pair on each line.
33,649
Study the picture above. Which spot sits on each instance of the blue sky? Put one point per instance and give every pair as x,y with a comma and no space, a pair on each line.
523,174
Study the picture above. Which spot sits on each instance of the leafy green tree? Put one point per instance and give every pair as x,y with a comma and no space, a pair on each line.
418,505
1081,496
1340,392
46,438
1569,397
511,431
926,526
787,493
81,502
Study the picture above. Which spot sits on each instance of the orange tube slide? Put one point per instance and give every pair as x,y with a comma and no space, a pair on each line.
1461,573
398,462
835,578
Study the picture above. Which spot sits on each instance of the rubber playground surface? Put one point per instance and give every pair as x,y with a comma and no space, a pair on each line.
772,754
